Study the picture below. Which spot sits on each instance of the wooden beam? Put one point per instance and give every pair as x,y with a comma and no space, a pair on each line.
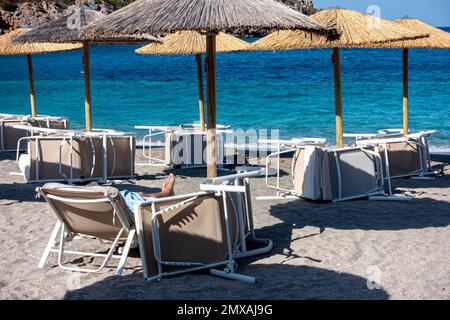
87,86
338,98
405,93
31,78
211,160
201,103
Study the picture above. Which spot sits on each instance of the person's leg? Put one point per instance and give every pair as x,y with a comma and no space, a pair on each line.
167,189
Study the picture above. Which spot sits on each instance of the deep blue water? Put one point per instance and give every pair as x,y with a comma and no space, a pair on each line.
291,91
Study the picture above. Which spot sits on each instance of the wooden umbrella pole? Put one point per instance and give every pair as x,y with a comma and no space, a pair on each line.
87,86
338,97
211,104
405,93
201,103
31,78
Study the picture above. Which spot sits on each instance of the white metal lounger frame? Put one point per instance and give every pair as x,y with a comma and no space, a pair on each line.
66,136
24,119
156,131
233,252
54,246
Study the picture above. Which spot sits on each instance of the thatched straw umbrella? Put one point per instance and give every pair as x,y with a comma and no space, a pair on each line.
67,29
357,30
8,47
191,42
438,39
210,17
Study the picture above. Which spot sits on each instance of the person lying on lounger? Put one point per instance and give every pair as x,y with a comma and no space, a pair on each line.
133,198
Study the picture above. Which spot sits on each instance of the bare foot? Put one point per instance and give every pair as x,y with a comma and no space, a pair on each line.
167,189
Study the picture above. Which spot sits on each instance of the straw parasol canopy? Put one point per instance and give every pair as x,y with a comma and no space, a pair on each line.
437,39
9,47
211,17
357,30
68,29
167,16
192,42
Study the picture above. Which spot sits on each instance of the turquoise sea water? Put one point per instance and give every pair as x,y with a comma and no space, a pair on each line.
291,91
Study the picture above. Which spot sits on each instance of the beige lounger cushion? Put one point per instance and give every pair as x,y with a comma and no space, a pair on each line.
94,219
192,233
307,172
404,158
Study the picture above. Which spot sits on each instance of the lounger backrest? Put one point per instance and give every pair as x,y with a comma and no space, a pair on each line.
45,158
357,173
100,220
185,147
121,156
10,135
404,158
62,158
195,232
319,174
60,124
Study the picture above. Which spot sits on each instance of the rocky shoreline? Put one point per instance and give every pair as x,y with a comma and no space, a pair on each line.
18,13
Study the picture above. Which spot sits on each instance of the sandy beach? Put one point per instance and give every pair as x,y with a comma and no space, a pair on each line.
321,251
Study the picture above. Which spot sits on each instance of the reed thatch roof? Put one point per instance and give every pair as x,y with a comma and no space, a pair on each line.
357,30
167,16
438,39
68,29
8,47
192,42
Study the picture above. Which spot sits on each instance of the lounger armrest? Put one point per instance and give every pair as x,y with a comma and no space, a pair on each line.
172,199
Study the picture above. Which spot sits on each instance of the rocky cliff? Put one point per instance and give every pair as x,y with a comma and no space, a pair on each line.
18,13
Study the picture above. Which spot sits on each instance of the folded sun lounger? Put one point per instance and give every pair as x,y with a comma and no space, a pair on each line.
10,134
71,156
402,156
98,212
184,145
323,174
208,230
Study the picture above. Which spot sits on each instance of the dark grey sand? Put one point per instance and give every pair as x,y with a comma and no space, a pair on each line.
322,251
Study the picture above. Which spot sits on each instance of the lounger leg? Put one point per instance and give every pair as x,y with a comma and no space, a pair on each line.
50,245
232,276
126,250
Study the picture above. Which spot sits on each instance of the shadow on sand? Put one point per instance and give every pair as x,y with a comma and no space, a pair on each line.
274,281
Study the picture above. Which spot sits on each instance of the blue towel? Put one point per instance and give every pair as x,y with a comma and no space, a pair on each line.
133,198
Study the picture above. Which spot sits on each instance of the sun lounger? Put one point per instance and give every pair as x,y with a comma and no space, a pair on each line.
98,212
402,156
184,145
71,156
206,230
10,135
323,174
